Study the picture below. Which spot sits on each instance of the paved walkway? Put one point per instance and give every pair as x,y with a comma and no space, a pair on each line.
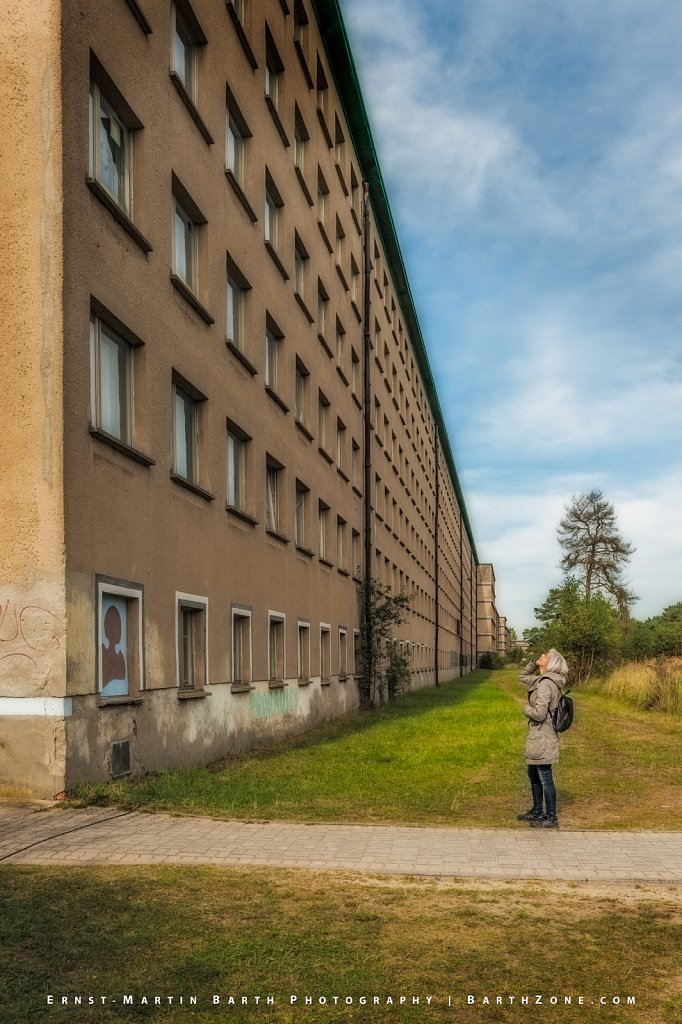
108,836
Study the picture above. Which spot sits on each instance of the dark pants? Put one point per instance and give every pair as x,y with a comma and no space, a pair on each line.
542,783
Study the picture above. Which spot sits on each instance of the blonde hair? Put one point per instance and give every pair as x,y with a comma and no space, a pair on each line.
556,663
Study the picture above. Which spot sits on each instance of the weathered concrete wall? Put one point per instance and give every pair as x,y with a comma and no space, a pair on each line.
32,601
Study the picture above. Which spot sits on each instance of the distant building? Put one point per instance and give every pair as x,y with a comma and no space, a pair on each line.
217,405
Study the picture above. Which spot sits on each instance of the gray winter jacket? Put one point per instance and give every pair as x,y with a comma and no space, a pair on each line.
542,745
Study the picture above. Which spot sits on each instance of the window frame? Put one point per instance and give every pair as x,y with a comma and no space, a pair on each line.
243,614
196,607
97,323
276,658
131,593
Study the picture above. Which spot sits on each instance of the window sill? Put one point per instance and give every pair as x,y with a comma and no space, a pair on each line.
192,694
239,192
342,375
241,35
357,402
357,491
325,236
241,688
325,455
278,536
302,183
238,354
325,682
276,684
343,678
304,430
191,298
277,261
325,129
356,221
305,551
308,314
342,473
239,513
325,561
188,485
118,214
276,399
122,447
278,121
118,702
325,346
304,682
358,314
191,108
138,14
342,277
342,572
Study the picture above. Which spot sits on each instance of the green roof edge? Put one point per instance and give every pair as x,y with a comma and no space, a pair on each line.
339,54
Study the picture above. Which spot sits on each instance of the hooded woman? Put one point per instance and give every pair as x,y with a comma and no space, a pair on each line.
544,679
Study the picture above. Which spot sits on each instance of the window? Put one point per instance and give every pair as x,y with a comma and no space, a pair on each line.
354,192
237,288
343,653
111,359
120,648
302,500
192,641
341,445
356,564
341,532
354,281
325,651
322,198
303,650
355,464
339,144
300,29
237,449
186,431
340,344
273,71
185,252
322,90
340,248
302,388
241,645
110,148
300,267
273,205
273,493
354,372
301,137
322,306
322,421
357,652
234,158
185,60
275,646
323,534
273,342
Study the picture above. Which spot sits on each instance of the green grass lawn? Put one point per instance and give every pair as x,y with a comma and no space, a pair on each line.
449,756
146,932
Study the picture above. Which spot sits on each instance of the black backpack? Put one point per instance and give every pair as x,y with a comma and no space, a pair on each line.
562,716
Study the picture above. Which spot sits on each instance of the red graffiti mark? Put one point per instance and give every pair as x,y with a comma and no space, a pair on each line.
38,628
3,616
5,657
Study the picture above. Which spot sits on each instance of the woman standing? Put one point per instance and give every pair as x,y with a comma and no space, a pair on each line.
544,678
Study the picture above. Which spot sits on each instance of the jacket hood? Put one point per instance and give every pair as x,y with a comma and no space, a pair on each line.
556,678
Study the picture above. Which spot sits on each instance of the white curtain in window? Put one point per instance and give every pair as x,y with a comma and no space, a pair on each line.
271,509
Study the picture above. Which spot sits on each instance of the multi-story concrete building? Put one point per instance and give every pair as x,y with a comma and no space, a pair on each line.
217,404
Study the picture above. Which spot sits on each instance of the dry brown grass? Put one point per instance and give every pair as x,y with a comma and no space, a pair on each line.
650,685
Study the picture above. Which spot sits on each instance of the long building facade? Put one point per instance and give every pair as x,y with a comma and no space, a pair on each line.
217,405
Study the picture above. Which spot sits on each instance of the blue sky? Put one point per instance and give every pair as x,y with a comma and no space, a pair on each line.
532,154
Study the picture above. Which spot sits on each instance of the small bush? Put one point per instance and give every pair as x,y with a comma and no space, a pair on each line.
491,661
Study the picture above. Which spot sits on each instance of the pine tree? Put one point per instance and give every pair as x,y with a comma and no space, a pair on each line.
594,550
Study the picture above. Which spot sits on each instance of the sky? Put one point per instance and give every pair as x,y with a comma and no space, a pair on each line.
532,155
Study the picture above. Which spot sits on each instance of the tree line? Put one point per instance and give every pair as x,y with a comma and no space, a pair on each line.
587,617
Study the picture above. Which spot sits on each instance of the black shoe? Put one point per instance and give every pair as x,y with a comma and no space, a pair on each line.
544,822
530,816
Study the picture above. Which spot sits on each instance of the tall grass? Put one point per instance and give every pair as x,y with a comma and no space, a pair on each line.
650,685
